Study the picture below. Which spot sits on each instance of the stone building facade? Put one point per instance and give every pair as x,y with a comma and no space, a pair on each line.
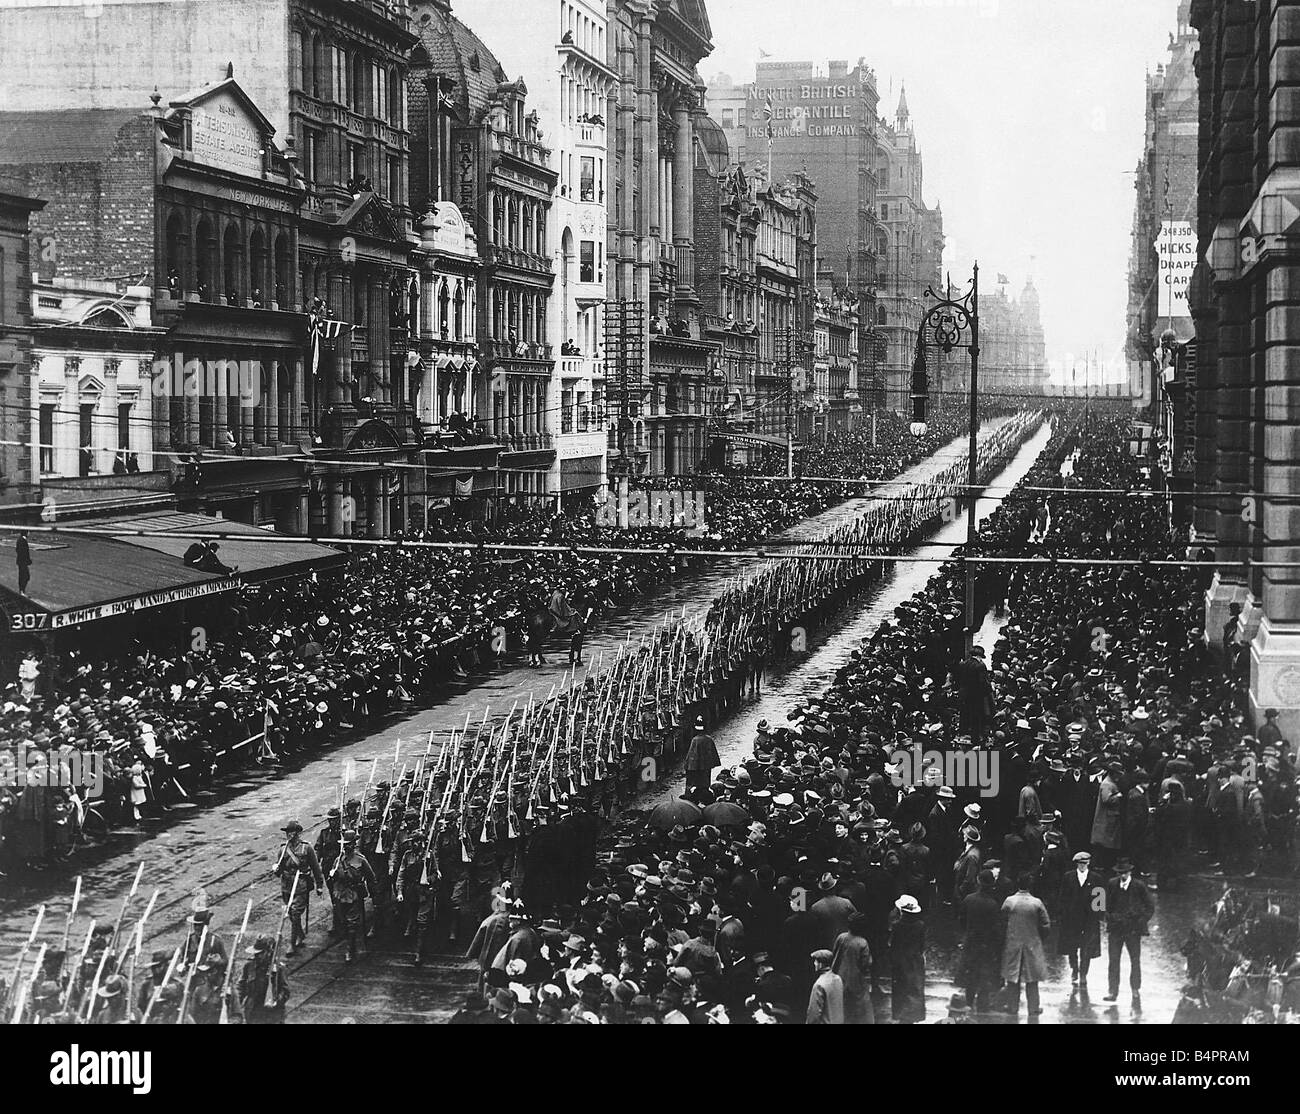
1246,306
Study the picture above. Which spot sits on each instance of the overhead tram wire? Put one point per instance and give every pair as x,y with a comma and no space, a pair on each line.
764,553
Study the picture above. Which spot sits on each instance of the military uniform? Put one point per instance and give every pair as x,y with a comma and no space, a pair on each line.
328,845
260,973
298,860
415,893
353,877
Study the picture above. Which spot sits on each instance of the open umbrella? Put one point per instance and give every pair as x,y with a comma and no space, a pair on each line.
726,814
671,813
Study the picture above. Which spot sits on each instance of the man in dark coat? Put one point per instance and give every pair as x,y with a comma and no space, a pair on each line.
701,758
945,845
1129,908
979,968
1082,904
23,553
976,693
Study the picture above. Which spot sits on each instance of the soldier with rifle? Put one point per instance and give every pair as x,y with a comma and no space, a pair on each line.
263,988
201,941
353,879
416,876
206,990
112,1006
298,871
154,983
328,844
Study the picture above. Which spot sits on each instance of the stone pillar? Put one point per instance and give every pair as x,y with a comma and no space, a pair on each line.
160,395
335,368
246,393
683,176
303,523
647,124
374,516
271,403
334,506
67,421
108,404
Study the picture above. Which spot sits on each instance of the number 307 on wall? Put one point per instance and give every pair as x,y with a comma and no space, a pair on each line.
28,621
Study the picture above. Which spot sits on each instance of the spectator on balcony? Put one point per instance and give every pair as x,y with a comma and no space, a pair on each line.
229,443
174,283
568,348
256,297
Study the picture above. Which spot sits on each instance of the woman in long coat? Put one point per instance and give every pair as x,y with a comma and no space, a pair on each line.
907,961
852,962
1023,960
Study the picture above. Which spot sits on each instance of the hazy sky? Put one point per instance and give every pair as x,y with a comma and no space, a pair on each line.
1030,116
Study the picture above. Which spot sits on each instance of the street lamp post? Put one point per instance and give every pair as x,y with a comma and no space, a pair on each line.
950,317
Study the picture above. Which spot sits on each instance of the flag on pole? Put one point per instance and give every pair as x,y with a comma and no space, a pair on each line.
768,114
321,329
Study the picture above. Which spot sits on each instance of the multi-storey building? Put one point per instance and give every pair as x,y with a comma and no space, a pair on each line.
837,403
569,85
727,218
782,380
1160,349
481,145
1245,297
824,122
909,251
17,479
1013,356
657,381
272,197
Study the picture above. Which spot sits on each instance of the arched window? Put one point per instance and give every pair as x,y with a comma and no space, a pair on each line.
308,63
359,68
460,311
319,76
512,232
178,256
496,219
394,99
233,253
882,316
528,226
444,311
257,258
282,294
205,257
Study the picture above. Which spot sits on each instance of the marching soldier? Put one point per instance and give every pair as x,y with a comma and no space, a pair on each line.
263,988
205,994
212,945
353,877
328,845
112,1007
297,860
415,877
153,984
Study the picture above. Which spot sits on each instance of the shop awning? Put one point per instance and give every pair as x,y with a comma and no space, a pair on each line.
264,556
81,578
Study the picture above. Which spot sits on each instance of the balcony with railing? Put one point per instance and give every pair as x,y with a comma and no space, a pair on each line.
591,134
502,256
526,150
